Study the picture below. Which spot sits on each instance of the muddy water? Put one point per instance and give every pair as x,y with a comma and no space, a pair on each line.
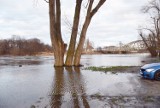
28,82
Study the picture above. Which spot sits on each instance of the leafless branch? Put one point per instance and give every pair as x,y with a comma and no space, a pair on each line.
87,4
46,1
100,3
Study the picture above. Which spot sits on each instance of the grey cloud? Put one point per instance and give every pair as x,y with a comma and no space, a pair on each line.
115,21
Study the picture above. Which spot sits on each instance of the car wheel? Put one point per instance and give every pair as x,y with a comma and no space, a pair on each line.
157,75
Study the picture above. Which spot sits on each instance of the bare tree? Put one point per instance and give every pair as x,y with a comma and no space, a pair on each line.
152,39
149,42
73,54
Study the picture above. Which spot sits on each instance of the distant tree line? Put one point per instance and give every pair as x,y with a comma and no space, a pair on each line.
19,46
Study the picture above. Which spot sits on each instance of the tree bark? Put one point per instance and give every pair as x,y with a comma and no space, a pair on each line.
71,50
55,32
79,49
90,14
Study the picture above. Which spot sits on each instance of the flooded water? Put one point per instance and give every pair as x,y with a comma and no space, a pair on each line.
115,59
33,82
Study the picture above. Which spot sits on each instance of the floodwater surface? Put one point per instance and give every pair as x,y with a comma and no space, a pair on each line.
33,82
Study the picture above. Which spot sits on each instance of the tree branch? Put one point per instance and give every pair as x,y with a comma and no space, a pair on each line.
101,2
46,1
90,7
143,38
152,32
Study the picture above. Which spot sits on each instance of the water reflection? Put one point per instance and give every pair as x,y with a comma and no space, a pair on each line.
68,88
56,96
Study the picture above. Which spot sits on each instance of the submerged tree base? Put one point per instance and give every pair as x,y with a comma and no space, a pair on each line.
80,65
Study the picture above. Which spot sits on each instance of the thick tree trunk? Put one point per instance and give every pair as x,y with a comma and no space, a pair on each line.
55,32
71,50
59,55
79,49
153,52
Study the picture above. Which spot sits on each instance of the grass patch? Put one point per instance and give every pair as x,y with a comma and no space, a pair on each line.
148,99
108,69
157,60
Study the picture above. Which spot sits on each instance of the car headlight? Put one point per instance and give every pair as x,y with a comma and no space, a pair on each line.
149,70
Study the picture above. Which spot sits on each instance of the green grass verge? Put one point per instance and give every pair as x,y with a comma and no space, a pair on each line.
106,69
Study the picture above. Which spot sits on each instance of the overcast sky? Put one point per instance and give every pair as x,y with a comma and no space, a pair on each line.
116,21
